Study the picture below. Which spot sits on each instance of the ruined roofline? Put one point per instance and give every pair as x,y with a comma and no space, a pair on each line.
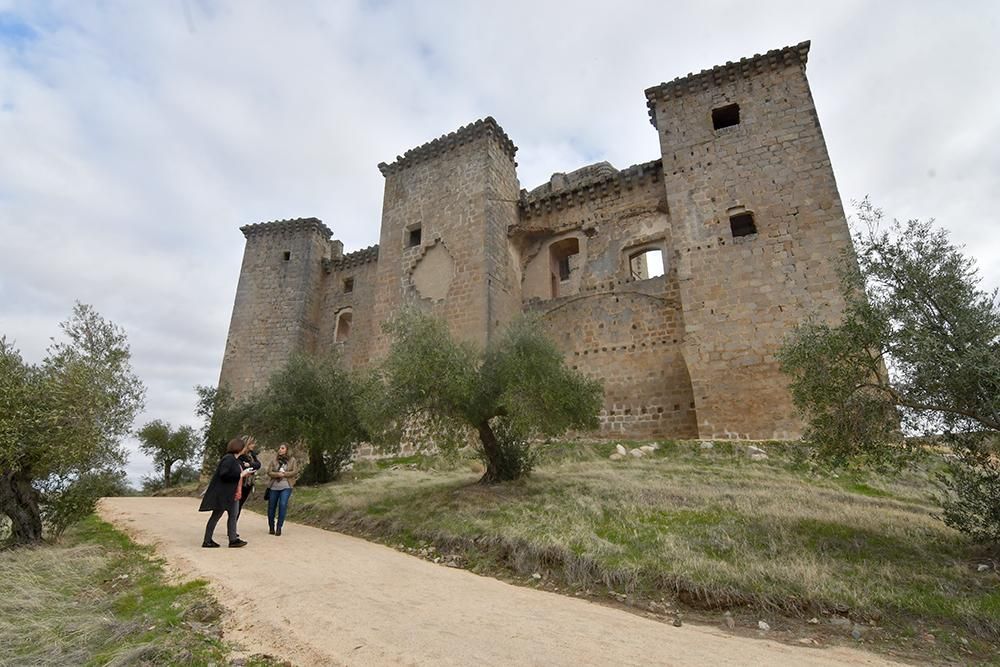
626,178
356,258
487,127
774,59
287,226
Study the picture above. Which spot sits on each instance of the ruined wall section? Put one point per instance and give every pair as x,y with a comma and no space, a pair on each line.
345,322
741,294
623,331
276,300
439,246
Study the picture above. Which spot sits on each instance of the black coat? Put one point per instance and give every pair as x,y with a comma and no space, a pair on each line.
221,491
249,461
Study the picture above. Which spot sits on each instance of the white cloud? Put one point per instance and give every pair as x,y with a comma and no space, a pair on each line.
137,137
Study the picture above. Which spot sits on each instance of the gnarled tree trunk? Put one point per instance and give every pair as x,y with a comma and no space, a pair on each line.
19,501
492,449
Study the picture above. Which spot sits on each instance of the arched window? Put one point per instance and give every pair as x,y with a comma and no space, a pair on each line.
343,330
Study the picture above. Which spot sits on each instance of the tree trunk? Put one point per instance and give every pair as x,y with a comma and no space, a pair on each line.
166,475
19,501
492,450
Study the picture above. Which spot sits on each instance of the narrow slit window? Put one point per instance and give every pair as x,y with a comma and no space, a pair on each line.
646,264
742,224
413,238
348,285
726,116
287,255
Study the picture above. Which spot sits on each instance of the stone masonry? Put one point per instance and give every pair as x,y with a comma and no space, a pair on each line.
673,281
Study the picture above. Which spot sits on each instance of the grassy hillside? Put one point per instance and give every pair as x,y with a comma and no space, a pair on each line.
697,532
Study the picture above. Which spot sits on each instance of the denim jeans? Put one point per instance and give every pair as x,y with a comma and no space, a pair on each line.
277,500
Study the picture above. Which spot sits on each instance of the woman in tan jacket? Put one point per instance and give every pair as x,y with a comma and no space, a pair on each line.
281,476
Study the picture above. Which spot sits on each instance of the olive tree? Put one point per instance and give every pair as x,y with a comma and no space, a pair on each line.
518,387
61,424
917,351
313,401
167,446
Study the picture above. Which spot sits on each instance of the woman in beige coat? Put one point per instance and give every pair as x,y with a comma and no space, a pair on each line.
281,476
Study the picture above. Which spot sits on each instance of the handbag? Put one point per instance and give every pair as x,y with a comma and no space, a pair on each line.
267,494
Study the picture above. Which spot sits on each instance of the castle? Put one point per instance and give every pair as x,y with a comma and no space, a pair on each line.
673,281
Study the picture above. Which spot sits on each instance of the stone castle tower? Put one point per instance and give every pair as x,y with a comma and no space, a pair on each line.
673,281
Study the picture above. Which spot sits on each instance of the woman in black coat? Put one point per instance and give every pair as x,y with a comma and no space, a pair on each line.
221,494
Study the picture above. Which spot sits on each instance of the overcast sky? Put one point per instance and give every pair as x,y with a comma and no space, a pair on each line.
136,137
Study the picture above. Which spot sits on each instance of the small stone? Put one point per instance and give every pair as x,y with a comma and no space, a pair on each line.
763,626
856,633
654,446
637,453
730,623
708,445
536,576
647,449
813,621
615,456
982,568
621,450
840,621
677,622
808,641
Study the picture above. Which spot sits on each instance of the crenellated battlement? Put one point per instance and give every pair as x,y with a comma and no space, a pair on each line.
540,202
720,74
289,226
487,127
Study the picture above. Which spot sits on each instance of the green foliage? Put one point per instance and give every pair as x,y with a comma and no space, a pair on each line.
68,502
223,418
918,351
179,476
313,401
167,446
971,498
453,387
62,422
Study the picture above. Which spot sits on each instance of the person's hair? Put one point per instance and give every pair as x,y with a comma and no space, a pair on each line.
235,446
288,448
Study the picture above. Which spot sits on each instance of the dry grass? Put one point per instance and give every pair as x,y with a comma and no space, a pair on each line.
97,599
704,527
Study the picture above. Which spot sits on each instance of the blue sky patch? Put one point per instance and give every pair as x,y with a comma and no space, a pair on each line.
14,31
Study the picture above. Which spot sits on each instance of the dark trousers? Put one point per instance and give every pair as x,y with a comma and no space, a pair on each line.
277,500
234,512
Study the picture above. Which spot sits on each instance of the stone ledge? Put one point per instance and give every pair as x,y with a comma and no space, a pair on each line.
707,78
291,225
486,127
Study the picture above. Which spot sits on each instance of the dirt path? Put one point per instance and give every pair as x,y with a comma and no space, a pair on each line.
321,598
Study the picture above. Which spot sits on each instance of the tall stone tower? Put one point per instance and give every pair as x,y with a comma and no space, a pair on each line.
277,300
443,245
757,227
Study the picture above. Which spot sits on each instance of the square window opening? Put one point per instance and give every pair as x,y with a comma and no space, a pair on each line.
348,285
726,116
742,224
646,264
287,255
413,238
